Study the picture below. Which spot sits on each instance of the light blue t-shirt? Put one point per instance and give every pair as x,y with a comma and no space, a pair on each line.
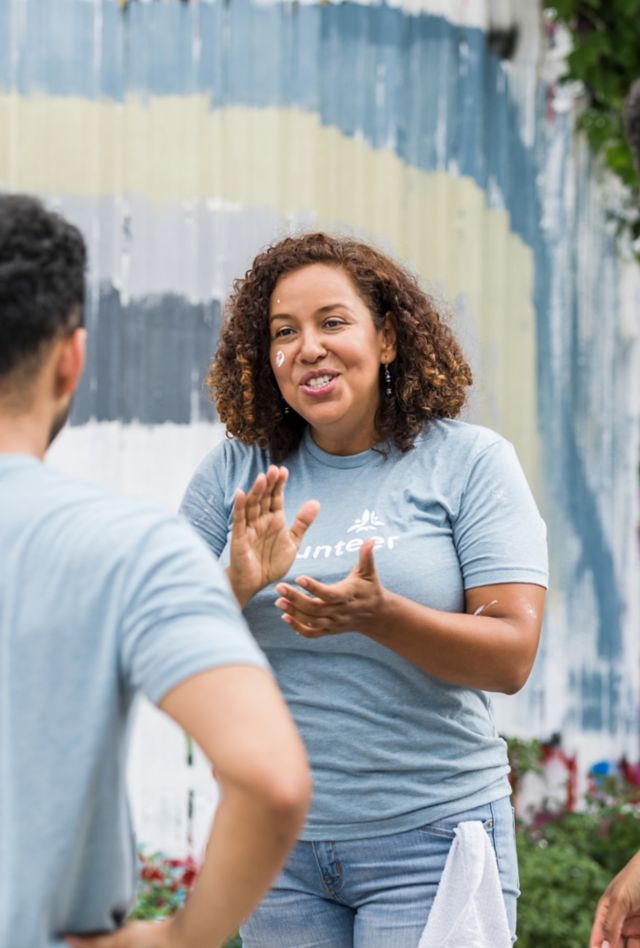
390,747
99,597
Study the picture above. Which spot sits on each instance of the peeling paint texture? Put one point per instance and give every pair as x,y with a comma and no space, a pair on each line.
183,137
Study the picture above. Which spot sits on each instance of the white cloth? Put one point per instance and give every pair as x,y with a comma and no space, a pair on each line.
468,910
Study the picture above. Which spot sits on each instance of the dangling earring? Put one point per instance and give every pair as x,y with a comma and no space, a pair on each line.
387,381
285,408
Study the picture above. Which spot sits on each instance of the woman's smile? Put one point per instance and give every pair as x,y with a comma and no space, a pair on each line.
331,353
319,383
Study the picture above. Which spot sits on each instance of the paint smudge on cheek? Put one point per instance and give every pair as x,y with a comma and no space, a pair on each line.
279,359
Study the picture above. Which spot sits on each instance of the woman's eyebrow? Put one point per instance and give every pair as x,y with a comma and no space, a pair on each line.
330,306
319,312
280,316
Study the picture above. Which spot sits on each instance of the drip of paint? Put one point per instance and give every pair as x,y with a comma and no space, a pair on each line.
480,609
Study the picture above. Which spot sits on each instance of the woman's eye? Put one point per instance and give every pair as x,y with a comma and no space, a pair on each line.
285,331
334,323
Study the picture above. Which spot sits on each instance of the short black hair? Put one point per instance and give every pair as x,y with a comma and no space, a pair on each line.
42,266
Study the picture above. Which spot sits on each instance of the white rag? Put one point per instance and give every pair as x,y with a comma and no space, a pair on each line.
468,910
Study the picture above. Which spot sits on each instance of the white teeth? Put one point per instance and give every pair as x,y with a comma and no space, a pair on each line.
319,381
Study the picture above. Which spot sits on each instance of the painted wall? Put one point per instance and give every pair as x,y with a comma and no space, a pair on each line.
182,137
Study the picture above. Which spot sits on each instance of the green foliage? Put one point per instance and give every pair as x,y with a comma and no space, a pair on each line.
605,60
568,859
524,757
560,888
235,942
163,887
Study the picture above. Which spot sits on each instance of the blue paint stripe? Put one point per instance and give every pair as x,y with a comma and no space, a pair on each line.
416,84
146,360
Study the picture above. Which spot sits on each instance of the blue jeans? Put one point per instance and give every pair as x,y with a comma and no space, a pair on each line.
373,893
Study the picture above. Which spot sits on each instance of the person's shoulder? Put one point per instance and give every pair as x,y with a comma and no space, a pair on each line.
228,458
461,439
103,522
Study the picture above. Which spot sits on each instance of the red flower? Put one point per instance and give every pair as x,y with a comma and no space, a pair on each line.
189,877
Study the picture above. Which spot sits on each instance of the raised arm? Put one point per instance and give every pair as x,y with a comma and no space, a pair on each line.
262,546
239,719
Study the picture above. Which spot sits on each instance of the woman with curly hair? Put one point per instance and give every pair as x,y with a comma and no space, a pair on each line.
410,585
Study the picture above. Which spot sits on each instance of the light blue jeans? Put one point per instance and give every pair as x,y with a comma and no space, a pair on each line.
373,893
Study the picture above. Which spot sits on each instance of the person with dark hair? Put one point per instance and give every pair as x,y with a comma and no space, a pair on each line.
102,598
423,584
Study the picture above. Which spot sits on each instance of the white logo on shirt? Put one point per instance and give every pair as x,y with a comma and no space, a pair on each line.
368,521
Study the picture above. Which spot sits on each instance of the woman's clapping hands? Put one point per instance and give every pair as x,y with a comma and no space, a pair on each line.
352,605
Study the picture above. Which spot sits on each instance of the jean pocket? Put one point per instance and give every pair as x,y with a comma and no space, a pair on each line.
446,829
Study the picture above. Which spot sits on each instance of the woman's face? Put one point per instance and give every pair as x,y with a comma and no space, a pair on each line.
325,353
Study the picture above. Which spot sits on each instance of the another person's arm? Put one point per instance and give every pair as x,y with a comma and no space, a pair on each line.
238,718
240,721
617,919
185,645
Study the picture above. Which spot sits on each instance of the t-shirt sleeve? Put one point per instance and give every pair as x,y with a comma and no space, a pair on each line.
499,534
180,615
204,503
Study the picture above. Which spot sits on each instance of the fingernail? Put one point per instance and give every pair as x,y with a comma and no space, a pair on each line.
302,582
605,944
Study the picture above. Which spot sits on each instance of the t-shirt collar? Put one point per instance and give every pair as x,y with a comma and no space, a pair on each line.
337,460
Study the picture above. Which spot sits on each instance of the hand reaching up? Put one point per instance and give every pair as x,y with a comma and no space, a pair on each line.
263,547
617,919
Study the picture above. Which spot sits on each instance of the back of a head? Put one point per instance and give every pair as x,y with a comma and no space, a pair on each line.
42,264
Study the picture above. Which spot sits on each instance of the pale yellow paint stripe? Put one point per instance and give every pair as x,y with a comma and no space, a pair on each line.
177,150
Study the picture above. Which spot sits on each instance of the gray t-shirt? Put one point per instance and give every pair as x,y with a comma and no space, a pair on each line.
99,597
391,747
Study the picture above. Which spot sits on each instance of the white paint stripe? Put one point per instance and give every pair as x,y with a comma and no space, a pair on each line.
460,12
150,462
470,13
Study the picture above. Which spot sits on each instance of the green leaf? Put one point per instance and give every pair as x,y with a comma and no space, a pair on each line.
618,158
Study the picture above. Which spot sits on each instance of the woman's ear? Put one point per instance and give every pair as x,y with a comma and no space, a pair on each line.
389,337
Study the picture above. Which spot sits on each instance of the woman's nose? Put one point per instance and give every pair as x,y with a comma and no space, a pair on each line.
311,347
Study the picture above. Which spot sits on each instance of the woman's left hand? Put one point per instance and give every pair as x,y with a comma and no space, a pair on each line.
352,605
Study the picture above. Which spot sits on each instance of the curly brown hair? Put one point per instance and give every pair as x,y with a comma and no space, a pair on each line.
430,373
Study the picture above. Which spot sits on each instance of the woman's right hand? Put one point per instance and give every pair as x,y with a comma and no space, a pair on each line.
262,547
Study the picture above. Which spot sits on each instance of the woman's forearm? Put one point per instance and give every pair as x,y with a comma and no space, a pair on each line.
490,652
